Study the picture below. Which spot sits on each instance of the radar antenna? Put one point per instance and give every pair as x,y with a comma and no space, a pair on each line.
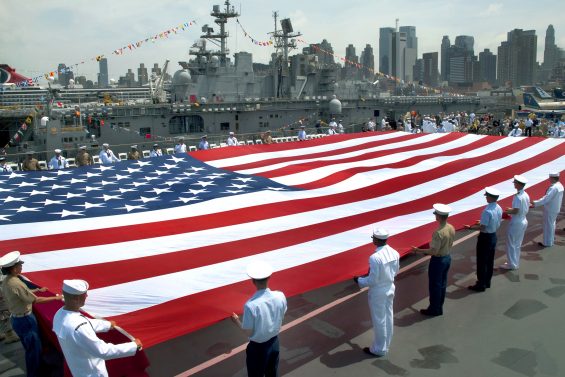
219,39
283,42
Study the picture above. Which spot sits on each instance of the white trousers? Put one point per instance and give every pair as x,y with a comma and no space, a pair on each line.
549,219
514,238
382,316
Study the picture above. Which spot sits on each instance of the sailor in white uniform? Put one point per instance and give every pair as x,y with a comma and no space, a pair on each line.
4,167
383,267
181,146
156,151
84,352
516,131
58,161
551,203
232,140
518,224
340,128
107,157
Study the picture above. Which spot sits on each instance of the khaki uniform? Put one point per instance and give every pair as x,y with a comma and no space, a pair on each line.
17,295
30,164
83,158
133,155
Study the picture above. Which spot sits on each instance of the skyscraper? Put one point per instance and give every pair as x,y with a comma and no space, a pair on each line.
385,50
143,77
350,70
487,64
395,57
398,63
411,51
430,68
517,58
445,44
465,42
551,54
368,62
103,73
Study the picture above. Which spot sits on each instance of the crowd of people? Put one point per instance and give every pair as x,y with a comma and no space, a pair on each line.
263,313
484,124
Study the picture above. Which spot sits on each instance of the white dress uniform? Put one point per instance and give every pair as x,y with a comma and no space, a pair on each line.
57,163
5,168
155,153
107,157
84,351
301,135
551,203
517,228
340,128
332,131
517,131
180,148
232,141
383,266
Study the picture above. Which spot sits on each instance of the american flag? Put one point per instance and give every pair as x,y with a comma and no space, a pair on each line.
164,242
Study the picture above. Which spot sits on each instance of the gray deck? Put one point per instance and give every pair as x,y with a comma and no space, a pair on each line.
513,329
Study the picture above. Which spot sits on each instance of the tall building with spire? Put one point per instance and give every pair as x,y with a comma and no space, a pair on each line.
551,54
398,50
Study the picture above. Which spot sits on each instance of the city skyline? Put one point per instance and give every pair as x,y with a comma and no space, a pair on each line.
37,36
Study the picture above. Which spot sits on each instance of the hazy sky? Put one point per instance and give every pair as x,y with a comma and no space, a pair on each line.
37,35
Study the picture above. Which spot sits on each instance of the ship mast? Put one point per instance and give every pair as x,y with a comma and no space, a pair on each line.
219,39
283,42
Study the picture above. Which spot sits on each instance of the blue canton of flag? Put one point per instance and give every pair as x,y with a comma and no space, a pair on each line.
127,186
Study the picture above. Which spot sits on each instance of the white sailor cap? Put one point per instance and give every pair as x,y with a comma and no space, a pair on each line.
492,191
181,138
380,233
11,259
155,145
82,147
231,133
2,158
30,152
520,179
441,209
554,174
75,287
133,147
57,151
259,270
204,136
105,145
303,126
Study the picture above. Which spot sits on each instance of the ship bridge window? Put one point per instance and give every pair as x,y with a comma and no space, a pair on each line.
186,124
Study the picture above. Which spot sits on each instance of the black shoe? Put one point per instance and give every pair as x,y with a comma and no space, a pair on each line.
541,244
367,350
476,288
429,313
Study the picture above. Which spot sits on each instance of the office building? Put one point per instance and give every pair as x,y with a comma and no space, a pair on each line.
103,79
430,73
517,58
487,66
445,45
